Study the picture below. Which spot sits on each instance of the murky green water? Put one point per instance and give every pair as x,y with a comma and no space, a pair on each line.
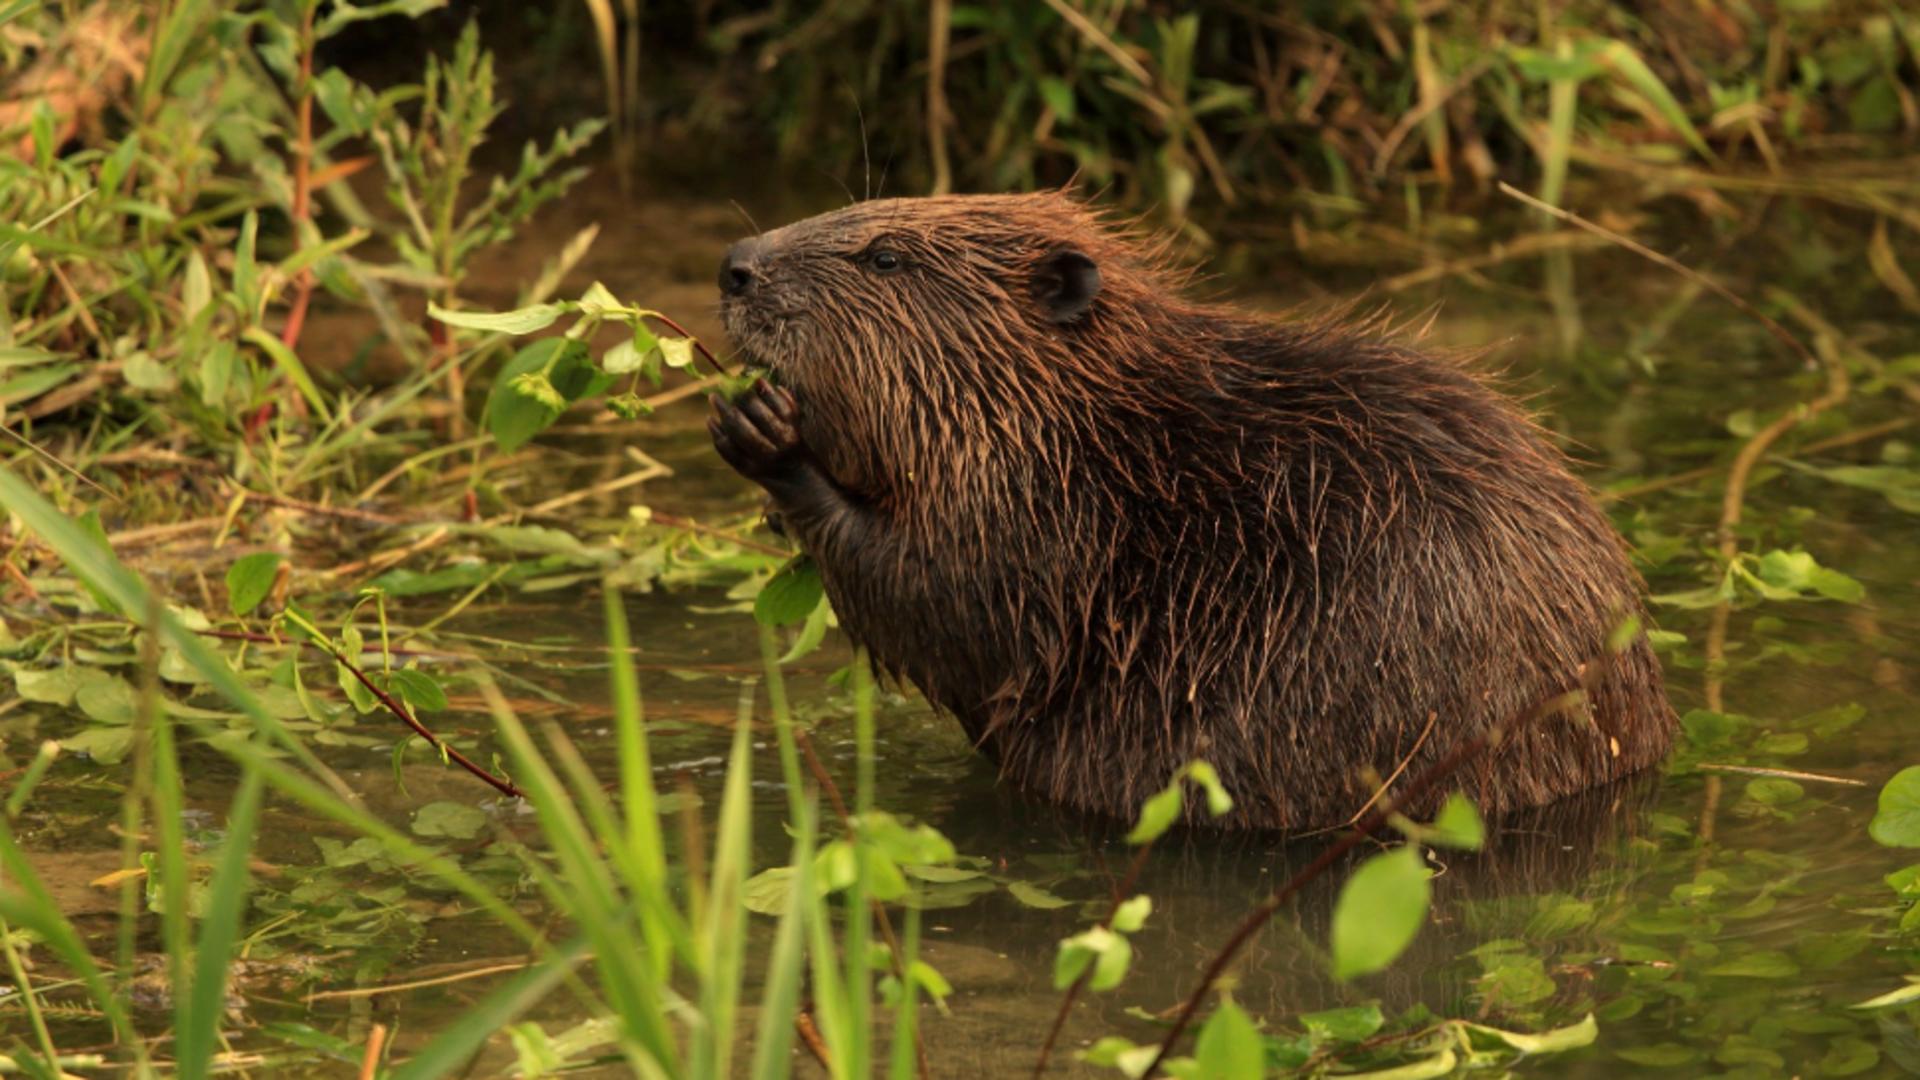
1737,955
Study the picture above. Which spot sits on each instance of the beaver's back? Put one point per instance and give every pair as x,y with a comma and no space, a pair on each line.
1327,557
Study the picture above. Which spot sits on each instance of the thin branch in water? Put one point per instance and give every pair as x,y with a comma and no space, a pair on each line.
1440,770
1072,994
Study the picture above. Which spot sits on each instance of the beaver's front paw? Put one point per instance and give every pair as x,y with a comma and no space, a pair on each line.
759,434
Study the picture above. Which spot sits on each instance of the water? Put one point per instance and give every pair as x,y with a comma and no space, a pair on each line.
1738,956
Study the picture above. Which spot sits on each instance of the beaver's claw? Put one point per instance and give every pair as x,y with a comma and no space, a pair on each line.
758,434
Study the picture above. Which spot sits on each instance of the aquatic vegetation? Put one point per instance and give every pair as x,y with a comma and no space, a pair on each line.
272,621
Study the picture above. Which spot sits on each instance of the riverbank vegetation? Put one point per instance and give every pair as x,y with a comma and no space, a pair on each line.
354,490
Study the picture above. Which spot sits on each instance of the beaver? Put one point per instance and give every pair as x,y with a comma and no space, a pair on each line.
1113,530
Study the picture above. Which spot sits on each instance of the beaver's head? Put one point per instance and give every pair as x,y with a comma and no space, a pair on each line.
904,286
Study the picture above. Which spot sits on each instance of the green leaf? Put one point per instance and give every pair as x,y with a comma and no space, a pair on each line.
250,579
55,687
1632,70
1380,910
1458,825
1773,791
1229,1047
418,689
623,359
1157,815
512,417
1058,94
1034,896
105,698
290,366
1348,1025
450,819
196,288
930,980
1897,822
106,745
1903,996
1107,952
791,594
536,385
676,352
1571,1037
1218,801
1130,916
519,321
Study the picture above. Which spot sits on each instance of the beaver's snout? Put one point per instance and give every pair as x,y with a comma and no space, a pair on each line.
740,268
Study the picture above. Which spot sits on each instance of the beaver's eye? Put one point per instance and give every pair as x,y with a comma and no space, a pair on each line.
885,261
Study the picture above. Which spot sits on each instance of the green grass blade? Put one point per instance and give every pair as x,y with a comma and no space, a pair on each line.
645,848
1562,109
1626,63
782,723
665,932
169,870
906,1016
594,902
723,952
450,1050
780,998
197,1025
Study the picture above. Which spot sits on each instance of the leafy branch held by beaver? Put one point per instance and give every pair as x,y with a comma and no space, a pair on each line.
1112,530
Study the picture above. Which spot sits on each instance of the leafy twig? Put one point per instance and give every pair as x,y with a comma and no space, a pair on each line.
1067,999
1439,771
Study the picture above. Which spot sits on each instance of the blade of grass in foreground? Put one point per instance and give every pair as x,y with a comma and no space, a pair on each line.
591,897
200,1010
645,848
780,1000
724,952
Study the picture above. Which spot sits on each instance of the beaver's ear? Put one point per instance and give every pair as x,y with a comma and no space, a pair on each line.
1064,283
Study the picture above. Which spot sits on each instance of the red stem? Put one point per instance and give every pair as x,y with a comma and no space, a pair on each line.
498,783
683,332
1073,992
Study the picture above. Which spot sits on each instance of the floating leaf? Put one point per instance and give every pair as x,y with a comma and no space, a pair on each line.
1380,910
450,819
250,579
1897,822
1034,896
106,745
1347,1025
55,687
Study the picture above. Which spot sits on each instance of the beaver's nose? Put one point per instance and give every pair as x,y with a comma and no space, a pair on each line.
737,269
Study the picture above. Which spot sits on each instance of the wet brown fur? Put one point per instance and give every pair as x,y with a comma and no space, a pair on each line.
1169,530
